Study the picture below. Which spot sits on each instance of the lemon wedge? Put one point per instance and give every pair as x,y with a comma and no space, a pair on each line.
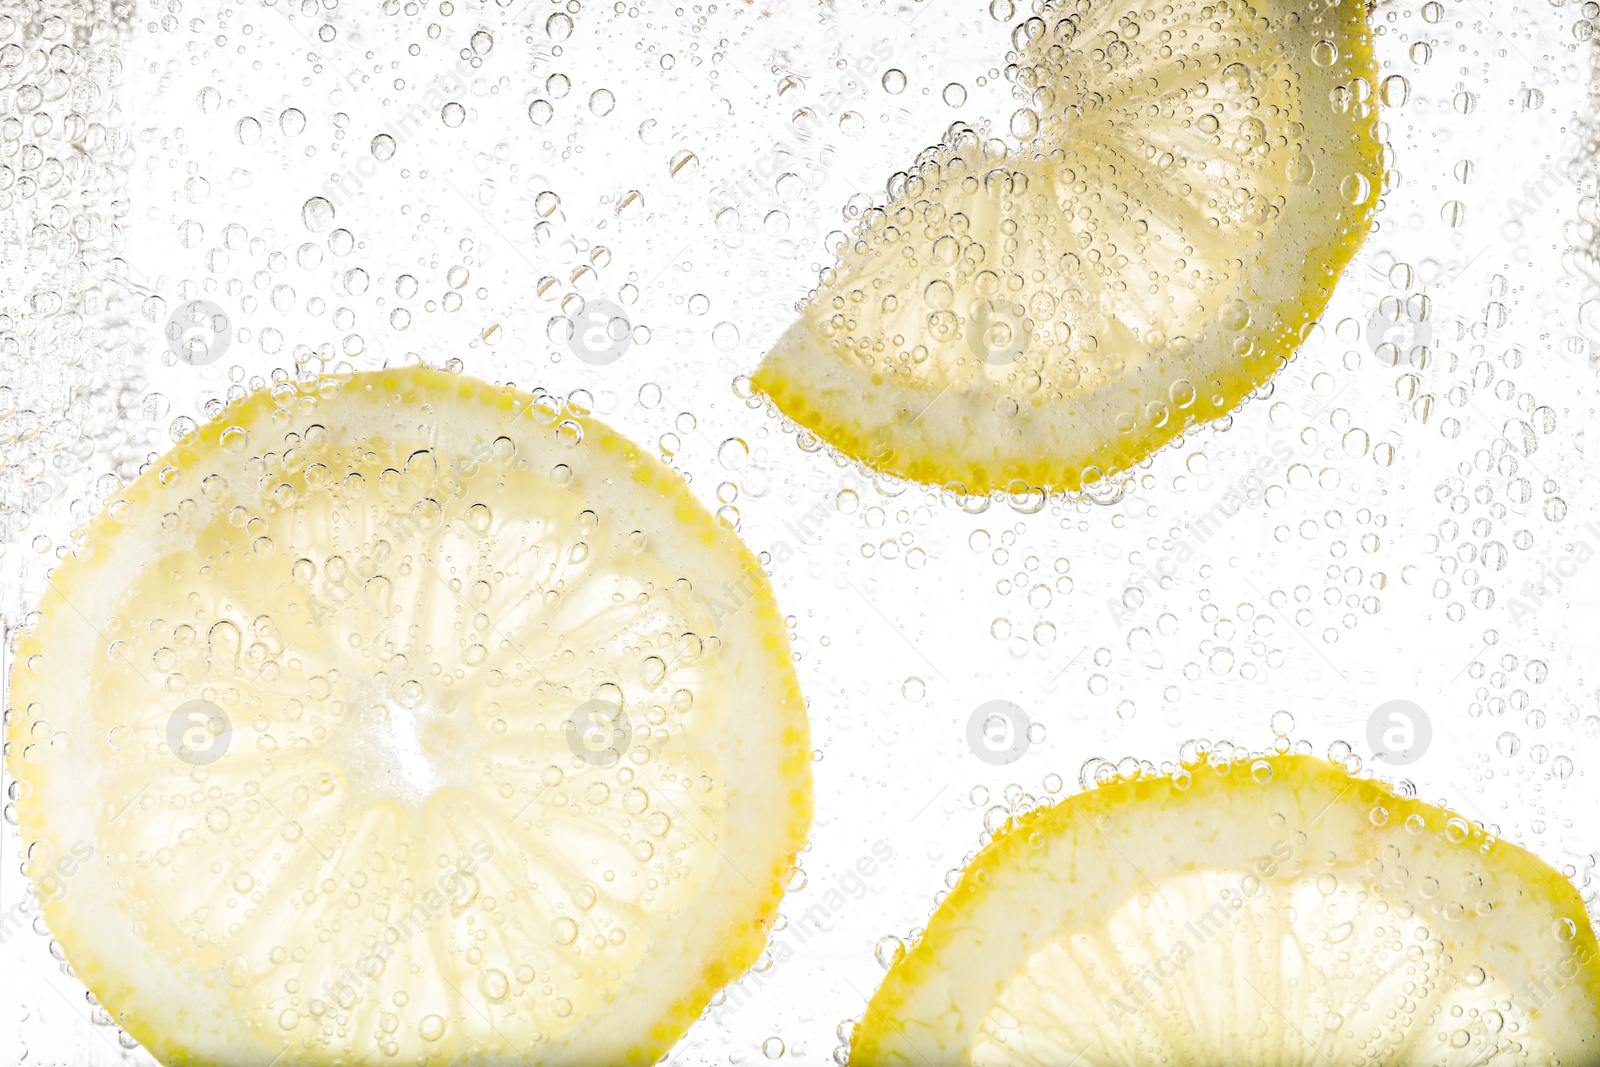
1270,912
403,718
1193,179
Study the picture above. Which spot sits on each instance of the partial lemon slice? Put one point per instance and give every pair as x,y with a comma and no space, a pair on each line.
1271,912
1195,178
402,718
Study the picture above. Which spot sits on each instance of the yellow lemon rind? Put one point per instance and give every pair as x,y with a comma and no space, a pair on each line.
1070,442
927,1011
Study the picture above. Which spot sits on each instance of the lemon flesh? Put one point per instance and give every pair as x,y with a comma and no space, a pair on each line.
1195,180
405,718
1276,912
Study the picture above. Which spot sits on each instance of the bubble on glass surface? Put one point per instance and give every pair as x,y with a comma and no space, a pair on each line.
317,214
684,166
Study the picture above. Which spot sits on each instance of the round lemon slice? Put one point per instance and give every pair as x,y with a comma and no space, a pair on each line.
1193,181
1271,912
402,718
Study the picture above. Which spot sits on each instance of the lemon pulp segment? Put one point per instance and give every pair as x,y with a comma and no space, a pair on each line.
390,720
1194,179
1271,912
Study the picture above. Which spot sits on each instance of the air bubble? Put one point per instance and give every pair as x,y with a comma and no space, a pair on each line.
317,214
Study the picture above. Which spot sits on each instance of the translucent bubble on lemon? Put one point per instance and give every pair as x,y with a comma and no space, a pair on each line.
399,717
1267,911
1186,185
